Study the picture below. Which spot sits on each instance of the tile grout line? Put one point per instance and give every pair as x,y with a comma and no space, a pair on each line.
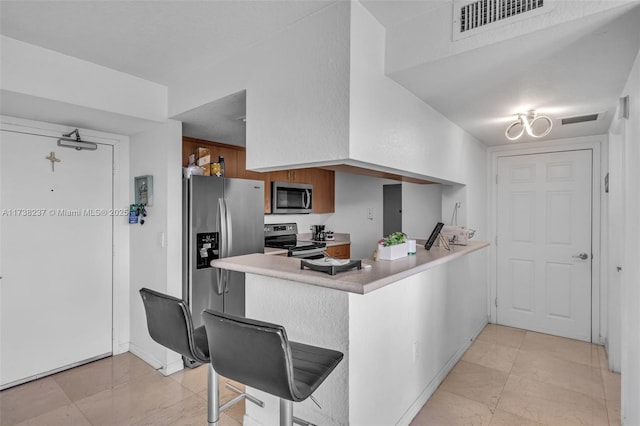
509,374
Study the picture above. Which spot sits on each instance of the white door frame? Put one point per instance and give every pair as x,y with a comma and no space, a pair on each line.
597,144
120,266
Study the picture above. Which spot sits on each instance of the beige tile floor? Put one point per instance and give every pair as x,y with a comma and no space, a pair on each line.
515,377
507,377
120,390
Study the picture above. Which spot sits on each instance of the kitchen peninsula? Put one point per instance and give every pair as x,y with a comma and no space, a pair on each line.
401,324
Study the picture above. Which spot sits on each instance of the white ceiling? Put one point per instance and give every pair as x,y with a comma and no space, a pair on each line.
567,70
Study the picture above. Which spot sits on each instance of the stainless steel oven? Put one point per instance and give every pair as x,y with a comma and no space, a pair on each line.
284,236
287,197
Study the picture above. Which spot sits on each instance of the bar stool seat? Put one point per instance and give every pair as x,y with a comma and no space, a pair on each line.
260,355
170,324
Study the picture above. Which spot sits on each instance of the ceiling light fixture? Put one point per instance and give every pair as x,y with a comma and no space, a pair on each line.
526,122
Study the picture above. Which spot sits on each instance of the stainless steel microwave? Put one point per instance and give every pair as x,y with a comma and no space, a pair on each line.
287,197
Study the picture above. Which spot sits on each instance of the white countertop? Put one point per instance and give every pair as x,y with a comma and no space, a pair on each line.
379,274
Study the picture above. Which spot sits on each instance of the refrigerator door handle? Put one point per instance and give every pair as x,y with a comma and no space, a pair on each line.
229,235
220,273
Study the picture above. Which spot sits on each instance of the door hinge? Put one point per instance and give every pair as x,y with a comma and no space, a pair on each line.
496,241
496,301
496,179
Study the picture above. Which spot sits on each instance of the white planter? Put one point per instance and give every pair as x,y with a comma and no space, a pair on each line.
392,252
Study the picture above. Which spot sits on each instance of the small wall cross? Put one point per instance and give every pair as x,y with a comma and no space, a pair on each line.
53,159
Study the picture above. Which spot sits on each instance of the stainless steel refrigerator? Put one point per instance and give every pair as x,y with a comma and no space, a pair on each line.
222,218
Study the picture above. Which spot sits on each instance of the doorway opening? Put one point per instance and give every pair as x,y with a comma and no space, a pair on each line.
392,209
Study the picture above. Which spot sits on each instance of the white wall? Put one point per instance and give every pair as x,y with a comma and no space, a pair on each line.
156,152
614,250
317,94
390,126
297,86
354,194
42,73
427,37
421,209
630,274
474,196
420,326
304,221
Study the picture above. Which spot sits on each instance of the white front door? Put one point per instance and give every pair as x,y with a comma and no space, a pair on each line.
544,243
55,255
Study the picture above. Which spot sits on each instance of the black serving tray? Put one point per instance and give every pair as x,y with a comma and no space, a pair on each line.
331,269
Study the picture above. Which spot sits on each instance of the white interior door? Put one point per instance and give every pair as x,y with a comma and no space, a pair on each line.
544,243
55,255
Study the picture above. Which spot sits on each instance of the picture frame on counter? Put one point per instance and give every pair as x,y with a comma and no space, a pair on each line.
434,236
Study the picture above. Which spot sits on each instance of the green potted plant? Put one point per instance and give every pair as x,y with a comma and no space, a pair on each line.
393,246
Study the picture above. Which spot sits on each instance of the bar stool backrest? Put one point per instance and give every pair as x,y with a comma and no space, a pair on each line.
170,324
252,352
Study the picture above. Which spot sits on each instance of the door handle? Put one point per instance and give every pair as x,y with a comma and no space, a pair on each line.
306,194
221,232
228,230
583,256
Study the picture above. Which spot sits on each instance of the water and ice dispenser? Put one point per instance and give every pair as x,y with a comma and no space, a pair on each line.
207,249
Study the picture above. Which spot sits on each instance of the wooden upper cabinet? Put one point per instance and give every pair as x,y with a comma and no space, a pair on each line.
235,159
242,168
279,176
323,182
229,152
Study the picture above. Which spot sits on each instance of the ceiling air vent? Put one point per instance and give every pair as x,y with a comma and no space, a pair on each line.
471,17
579,119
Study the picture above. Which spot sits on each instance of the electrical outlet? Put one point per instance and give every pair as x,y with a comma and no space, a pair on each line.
370,213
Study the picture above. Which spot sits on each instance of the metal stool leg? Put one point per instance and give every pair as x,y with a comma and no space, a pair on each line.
213,397
286,415
286,412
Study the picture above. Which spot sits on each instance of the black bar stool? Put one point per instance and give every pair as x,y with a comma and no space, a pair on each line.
258,354
170,324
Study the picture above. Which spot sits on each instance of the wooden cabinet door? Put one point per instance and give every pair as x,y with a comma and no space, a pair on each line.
323,182
300,175
230,160
279,176
342,251
230,154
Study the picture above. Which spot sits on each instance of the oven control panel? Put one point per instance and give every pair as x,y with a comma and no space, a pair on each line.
276,229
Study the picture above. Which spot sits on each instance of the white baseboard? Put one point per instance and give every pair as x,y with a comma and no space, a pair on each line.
147,357
173,367
441,375
121,348
249,421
